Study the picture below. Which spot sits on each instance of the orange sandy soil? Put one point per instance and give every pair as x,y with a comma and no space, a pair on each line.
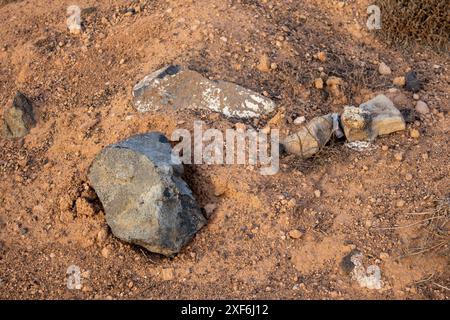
81,90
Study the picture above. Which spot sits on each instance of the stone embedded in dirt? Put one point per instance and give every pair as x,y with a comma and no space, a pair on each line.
398,156
414,133
334,87
383,69
264,63
375,117
384,256
145,200
180,88
399,81
412,83
167,274
311,137
19,118
321,56
106,252
299,120
102,235
318,83
347,263
400,203
422,107
295,234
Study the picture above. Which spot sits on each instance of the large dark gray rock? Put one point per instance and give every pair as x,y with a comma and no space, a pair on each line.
145,200
19,118
180,88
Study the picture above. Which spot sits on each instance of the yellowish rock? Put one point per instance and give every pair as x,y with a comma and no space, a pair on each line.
399,81
264,63
322,56
384,69
318,83
414,133
295,234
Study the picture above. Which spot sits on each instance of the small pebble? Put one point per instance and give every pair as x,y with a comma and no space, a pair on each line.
264,63
399,81
322,56
384,256
398,156
414,133
102,235
422,107
383,69
295,234
318,83
167,274
400,203
106,252
299,120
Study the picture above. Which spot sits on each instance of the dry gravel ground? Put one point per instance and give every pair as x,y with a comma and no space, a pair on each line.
81,89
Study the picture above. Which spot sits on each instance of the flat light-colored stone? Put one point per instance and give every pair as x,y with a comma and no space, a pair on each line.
375,117
295,234
180,88
299,120
422,107
383,69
